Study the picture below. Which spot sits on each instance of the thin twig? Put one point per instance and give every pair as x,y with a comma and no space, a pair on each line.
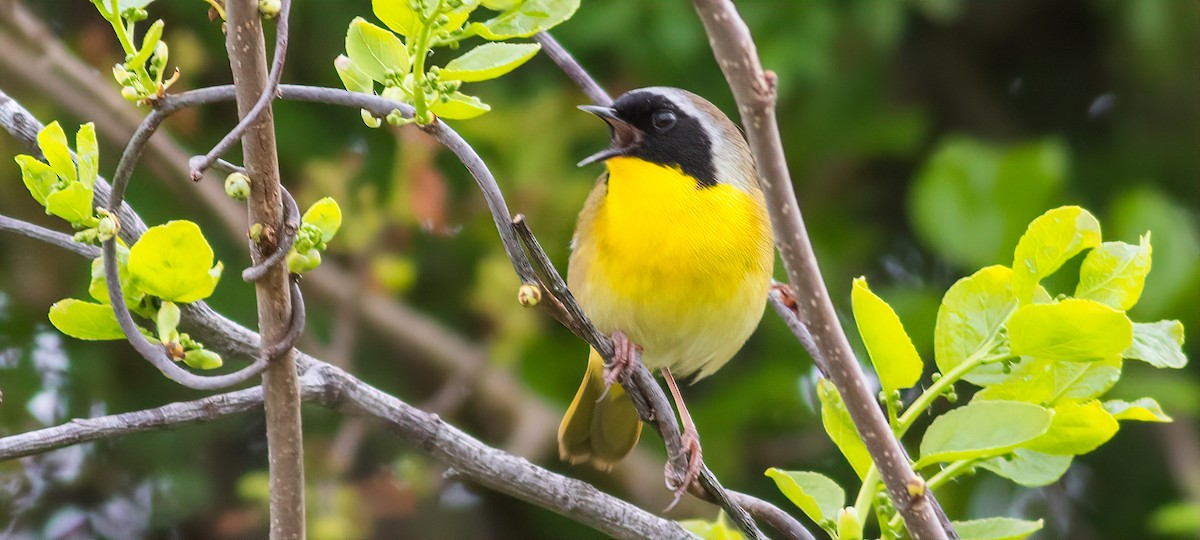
754,90
199,164
48,236
573,69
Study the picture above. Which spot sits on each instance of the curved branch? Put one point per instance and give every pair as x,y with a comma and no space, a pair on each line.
199,164
754,90
48,236
287,238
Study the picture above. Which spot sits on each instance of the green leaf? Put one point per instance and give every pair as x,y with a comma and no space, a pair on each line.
1073,329
167,322
375,51
353,78
1050,240
1114,273
891,350
85,320
72,203
398,15
53,142
1143,410
1160,344
202,359
971,317
88,154
526,19
1077,428
98,289
973,432
325,215
996,528
174,262
460,107
1029,468
1177,520
488,61
499,5
711,530
1045,382
819,497
39,178
1177,247
840,428
992,191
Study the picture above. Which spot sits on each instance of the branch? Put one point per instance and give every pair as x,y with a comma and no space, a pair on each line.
754,90
200,164
334,388
574,71
281,387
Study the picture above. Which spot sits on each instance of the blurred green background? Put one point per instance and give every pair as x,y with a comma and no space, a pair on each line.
922,136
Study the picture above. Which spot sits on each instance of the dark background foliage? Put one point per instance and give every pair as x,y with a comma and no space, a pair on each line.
1035,103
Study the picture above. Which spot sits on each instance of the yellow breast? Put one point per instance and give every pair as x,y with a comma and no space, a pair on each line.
682,269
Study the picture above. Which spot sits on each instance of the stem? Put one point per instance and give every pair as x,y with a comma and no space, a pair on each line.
419,65
247,53
920,405
945,475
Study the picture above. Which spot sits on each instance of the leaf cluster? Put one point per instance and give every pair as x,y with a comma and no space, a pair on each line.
1041,363
396,57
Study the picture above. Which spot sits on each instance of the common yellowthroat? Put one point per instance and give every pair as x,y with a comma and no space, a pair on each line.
672,253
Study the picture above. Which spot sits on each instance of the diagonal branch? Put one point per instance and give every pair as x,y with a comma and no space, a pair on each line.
754,90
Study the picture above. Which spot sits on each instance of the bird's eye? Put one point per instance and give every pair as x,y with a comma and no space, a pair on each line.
663,119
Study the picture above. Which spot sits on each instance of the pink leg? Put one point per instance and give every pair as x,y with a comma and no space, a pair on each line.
690,441
624,352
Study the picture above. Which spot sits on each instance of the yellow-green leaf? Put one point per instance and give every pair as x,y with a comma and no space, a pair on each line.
1115,273
711,530
1046,382
1077,428
326,216
85,320
996,528
488,61
840,428
375,51
1160,344
1049,241
87,153
982,429
398,15
72,203
891,350
460,107
353,78
1144,410
1028,468
202,359
971,316
53,142
39,178
526,19
1073,329
174,262
819,497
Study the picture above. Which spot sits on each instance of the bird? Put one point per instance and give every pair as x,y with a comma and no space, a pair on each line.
672,255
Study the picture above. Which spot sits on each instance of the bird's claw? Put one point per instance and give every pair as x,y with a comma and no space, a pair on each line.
624,352
691,448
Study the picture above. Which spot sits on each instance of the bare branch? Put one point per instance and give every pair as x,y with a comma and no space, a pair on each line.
48,236
335,388
567,63
754,90
199,164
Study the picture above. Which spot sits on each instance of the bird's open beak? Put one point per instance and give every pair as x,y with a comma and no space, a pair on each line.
624,136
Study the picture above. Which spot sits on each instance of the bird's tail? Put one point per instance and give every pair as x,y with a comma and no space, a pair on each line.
595,429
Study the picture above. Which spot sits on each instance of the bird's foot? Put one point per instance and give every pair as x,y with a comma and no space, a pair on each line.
624,351
691,448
